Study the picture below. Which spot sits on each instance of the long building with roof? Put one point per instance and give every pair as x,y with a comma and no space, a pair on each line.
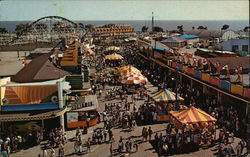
229,86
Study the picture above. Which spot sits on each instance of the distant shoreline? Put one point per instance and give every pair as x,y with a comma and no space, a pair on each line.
138,24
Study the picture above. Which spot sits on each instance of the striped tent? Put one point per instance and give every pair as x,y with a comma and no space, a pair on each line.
126,69
133,78
112,48
191,115
114,56
165,96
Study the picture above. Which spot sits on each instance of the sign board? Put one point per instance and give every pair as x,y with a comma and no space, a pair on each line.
72,117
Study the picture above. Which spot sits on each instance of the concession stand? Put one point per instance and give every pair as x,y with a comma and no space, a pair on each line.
80,113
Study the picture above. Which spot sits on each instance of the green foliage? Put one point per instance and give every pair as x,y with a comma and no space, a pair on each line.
144,29
202,27
225,27
3,30
247,29
158,29
89,27
21,27
180,28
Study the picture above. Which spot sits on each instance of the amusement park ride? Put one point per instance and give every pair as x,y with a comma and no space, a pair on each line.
46,29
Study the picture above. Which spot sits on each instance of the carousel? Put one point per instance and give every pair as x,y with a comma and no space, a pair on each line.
164,102
193,118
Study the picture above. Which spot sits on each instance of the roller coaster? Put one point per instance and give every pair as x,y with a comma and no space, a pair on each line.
45,29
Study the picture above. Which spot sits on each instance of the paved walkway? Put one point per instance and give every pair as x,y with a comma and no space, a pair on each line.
102,150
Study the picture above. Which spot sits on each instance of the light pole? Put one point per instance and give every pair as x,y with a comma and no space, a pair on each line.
176,79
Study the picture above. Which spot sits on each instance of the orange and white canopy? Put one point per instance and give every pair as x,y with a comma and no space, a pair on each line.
114,56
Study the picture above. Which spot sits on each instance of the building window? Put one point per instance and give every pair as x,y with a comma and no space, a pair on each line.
235,48
245,48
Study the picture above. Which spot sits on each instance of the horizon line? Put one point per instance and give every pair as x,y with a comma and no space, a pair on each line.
143,20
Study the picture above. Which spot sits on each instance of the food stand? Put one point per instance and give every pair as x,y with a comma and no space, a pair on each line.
77,116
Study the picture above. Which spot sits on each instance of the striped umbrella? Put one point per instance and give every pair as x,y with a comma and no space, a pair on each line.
127,69
114,56
133,78
112,48
165,96
191,115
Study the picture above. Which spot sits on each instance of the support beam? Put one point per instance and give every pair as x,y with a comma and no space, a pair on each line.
61,102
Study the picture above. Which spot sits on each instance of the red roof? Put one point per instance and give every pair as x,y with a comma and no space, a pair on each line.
39,69
232,62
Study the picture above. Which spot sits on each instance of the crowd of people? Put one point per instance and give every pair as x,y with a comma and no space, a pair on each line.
126,115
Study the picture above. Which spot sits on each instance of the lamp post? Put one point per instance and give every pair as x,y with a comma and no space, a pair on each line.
176,79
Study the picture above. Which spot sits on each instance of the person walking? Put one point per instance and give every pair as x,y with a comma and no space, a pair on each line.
61,150
52,153
111,149
88,143
150,132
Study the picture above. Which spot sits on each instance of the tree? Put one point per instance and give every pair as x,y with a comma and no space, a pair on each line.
202,27
21,27
246,29
180,28
193,28
3,30
81,25
89,27
157,29
144,29
225,27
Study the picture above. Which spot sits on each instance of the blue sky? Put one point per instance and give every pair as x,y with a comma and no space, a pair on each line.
12,10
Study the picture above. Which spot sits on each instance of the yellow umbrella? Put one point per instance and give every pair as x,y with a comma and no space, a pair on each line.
126,69
114,56
113,48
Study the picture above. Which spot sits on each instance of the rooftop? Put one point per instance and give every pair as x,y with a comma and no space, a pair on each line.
188,36
173,40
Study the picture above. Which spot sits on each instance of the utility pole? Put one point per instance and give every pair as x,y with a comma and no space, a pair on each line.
152,21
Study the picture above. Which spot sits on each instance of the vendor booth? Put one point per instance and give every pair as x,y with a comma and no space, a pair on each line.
164,100
81,113
193,118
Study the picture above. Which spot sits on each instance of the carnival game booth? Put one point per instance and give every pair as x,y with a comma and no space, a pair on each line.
83,111
164,102
193,118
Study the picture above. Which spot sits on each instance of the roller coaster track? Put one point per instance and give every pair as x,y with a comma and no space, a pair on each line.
30,26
